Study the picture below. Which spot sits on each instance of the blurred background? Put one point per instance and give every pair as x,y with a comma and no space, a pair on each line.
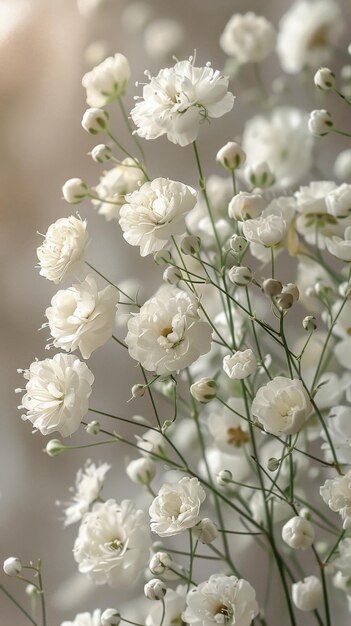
46,46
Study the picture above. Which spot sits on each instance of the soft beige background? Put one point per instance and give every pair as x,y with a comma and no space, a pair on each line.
42,144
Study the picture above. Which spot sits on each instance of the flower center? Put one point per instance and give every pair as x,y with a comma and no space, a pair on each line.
115,545
166,331
222,614
319,38
236,437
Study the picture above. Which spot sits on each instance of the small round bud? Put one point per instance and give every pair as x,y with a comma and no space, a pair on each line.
273,464
323,290
110,617
309,323
293,290
245,206
240,275
141,471
172,275
324,79
159,563
305,513
307,594
31,590
344,290
155,589
260,175
12,566
272,287
190,244
93,428
138,391
95,120
206,531
54,447
342,166
285,301
320,122
238,244
224,477
345,73
204,390
162,257
298,533
74,190
231,156
101,153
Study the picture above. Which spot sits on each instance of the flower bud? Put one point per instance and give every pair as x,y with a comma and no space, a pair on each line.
224,477
205,531
159,563
74,190
204,390
298,533
342,582
240,275
162,257
309,323
323,290
324,79
231,156
273,464
12,566
293,290
141,471
307,594
54,447
101,153
190,244
320,122
110,617
172,275
305,513
285,301
238,244
245,206
95,120
344,290
138,391
259,175
31,590
93,428
272,287
155,589
240,365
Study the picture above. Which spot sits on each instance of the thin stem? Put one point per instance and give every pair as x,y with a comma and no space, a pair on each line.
7,593
133,135
42,596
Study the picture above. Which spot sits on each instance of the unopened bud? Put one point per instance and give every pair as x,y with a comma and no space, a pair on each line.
54,447
12,566
309,323
74,190
172,275
138,391
240,275
95,120
190,244
320,122
141,471
272,287
273,464
159,563
285,301
260,175
101,153
162,257
204,390
110,617
293,290
93,428
231,156
324,79
245,206
206,531
224,477
238,244
155,589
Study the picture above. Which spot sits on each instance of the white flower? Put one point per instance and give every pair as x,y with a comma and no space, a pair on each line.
110,617
107,81
101,153
206,531
298,533
85,619
228,430
268,230
62,251
320,122
82,317
113,543
282,406
204,390
246,205
314,222
282,141
152,441
174,606
234,460
324,79
74,190
240,275
12,566
114,185
341,248
306,33
155,589
160,563
338,201
57,394
154,213
342,166
178,99
221,600
336,493
167,334
231,156
95,120
249,38
163,38
141,471
307,594
240,365
176,507
88,485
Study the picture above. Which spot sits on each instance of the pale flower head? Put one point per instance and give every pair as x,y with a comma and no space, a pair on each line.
113,543
341,247
57,394
307,594
107,81
88,486
114,185
240,365
167,334
221,600
246,205
307,32
62,251
249,38
336,493
338,201
155,212
176,507
267,230
298,533
320,122
282,406
82,317
178,99
314,222
85,619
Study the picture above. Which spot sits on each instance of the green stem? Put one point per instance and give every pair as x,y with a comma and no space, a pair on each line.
7,593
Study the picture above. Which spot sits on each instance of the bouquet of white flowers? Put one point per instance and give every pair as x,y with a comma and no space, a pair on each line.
246,346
